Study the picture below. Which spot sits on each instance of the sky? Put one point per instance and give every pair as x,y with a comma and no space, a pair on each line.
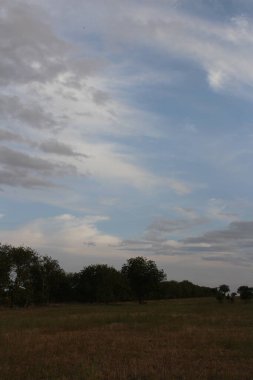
126,129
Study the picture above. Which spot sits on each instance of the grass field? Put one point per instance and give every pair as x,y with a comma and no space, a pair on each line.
175,339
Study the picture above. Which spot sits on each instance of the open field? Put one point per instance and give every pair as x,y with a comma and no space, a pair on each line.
175,339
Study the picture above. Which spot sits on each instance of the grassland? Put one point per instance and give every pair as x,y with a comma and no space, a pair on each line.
175,339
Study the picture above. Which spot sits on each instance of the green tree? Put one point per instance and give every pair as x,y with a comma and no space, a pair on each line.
26,277
22,260
100,283
5,270
223,289
54,280
221,292
143,276
245,292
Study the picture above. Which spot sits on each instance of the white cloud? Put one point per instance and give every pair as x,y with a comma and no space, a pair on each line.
66,233
223,49
65,105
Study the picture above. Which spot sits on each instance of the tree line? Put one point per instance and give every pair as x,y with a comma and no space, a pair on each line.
27,278
222,293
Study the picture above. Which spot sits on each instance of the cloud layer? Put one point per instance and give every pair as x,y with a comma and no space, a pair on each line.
127,127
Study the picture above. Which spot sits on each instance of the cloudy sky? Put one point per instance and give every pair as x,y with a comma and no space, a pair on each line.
126,128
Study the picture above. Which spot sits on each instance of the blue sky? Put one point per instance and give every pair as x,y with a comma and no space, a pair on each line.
126,129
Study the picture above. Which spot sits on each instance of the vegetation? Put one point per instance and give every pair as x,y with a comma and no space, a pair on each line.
193,339
143,276
246,293
27,278
164,339
183,289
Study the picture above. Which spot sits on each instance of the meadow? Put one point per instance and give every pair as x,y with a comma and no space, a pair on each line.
173,339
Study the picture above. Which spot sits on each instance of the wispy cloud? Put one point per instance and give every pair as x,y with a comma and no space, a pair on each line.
55,91
64,232
232,244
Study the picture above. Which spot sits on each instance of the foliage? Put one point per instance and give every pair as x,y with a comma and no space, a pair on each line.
100,283
245,292
221,292
28,278
183,289
143,276
224,289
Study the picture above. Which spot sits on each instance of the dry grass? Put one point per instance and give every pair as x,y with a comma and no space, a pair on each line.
179,339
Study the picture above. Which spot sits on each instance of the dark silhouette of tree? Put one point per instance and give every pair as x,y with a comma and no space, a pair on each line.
143,276
100,283
20,290
246,293
183,289
5,270
54,280
221,292
223,289
28,278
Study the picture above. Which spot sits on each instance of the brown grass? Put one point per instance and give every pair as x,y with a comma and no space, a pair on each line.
178,339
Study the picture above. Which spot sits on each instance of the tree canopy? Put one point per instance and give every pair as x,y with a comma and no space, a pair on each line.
29,278
143,276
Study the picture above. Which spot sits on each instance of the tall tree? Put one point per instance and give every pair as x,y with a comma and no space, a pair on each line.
5,270
143,276
23,260
100,283
221,292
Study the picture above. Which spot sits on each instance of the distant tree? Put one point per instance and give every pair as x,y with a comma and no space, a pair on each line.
55,284
183,289
23,261
143,276
223,289
26,277
221,292
100,283
5,270
246,293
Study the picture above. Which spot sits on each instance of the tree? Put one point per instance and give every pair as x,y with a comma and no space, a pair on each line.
183,289
223,289
5,269
26,277
20,286
221,292
245,292
100,283
143,276
54,280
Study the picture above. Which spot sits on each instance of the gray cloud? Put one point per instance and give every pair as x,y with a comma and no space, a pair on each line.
161,227
20,178
100,97
232,244
21,169
31,114
226,258
12,158
55,147
237,232
10,136
31,50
